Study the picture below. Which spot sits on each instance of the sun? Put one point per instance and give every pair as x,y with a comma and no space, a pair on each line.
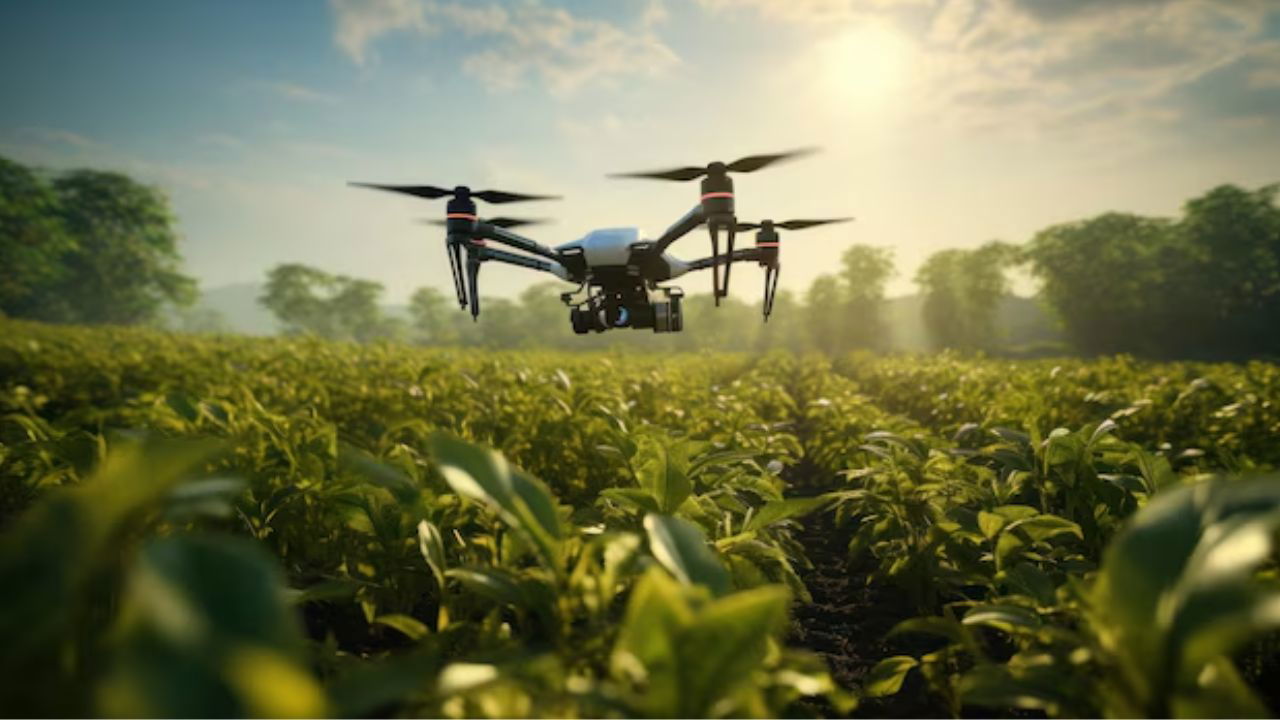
862,67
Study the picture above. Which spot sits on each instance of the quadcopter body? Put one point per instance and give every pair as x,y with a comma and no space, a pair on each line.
618,271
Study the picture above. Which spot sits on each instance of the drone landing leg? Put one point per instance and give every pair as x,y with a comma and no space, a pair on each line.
770,290
715,267
454,251
729,251
473,276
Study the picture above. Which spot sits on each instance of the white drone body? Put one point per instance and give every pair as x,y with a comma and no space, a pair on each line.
612,247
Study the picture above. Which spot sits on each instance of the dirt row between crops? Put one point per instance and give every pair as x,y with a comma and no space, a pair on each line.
848,620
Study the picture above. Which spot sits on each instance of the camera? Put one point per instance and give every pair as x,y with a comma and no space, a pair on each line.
667,315
608,311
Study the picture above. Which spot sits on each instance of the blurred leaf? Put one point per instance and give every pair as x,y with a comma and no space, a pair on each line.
431,545
1009,618
778,510
411,627
683,550
523,503
887,675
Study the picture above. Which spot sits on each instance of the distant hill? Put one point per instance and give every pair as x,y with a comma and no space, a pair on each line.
238,306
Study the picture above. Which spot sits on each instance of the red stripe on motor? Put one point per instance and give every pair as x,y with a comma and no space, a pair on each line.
773,244
461,216
717,194
477,241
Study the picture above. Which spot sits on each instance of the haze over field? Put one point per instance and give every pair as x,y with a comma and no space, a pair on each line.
944,123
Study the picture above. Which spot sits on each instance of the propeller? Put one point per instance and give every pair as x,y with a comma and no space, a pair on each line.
502,222
750,163
432,192
789,224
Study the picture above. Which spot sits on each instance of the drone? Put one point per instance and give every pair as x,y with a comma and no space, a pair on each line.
618,272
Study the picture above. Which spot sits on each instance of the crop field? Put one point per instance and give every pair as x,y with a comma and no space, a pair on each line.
223,526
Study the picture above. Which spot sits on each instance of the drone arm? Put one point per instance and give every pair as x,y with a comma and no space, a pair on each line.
482,254
682,227
486,231
741,255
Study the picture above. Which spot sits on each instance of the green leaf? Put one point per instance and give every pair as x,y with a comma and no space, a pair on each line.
1009,618
411,627
661,466
336,589
1015,512
779,510
887,676
725,644
405,490
634,498
995,686
203,498
682,549
431,545
1105,427
204,630
942,627
53,549
522,502
990,523
1032,581
1043,527
491,583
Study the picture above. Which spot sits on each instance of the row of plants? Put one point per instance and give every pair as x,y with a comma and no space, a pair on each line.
402,566
1064,570
293,527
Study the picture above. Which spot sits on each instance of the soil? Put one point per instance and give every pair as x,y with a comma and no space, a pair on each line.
848,621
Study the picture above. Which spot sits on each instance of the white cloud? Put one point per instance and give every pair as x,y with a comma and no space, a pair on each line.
566,51
1061,66
357,23
816,12
523,41
655,13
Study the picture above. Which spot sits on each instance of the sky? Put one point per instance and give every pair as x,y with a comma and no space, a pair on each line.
941,123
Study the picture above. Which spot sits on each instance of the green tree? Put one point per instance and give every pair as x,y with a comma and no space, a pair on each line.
431,316
865,273
91,247
307,300
962,291
125,266
1228,295
1108,278
822,317
32,244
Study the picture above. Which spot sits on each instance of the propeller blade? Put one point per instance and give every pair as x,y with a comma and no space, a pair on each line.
802,224
506,222
498,196
751,163
681,174
430,192
502,222
747,226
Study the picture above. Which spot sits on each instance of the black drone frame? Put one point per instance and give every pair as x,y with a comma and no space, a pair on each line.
467,236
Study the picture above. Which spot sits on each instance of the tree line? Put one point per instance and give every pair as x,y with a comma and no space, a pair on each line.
88,246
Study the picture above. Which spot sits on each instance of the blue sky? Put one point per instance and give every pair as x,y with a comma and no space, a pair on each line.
943,123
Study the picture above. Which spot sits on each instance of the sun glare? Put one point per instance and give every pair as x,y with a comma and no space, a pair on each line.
863,65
